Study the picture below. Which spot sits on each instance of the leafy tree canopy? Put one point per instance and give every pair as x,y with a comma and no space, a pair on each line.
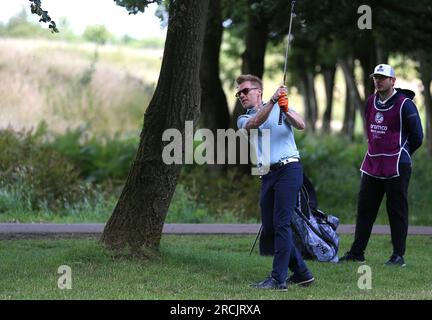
135,6
98,34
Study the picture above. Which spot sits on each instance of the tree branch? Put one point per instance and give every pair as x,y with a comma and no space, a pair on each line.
36,8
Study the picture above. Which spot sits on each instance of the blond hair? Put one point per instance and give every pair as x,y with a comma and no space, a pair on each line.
249,77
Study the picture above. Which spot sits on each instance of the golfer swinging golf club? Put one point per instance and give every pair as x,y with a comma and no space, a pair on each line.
281,185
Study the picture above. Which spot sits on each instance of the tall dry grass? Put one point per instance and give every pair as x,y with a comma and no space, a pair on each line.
67,86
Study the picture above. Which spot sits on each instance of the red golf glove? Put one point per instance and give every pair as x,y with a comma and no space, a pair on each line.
283,102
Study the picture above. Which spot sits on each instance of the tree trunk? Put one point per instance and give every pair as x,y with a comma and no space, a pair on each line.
307,88
137,221
253,56
382,55
255,43
349,116
329,82
368,61
252,63
313,112
348,70
368,85
214,106
426,78
428,107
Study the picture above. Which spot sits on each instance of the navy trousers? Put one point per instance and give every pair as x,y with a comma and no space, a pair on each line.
371,194
278,198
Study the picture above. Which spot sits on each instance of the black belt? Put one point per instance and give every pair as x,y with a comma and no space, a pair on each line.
282,163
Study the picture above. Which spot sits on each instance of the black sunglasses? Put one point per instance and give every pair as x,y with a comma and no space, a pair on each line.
245,91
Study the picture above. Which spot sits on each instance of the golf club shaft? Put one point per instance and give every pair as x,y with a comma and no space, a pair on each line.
286,52
253,246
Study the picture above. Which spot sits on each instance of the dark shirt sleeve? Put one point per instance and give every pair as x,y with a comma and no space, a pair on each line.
413,127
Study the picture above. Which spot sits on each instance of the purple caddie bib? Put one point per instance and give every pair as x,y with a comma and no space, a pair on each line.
384,134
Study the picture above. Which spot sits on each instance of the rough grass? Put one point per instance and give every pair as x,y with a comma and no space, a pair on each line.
66,85
200,267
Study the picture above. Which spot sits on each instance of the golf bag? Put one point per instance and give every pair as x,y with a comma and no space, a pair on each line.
314,232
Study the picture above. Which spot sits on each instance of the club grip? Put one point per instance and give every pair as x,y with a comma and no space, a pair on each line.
280,117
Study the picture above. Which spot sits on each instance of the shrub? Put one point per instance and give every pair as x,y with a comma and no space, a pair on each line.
332,165
100,158
36,170
227,194
78,178
186,208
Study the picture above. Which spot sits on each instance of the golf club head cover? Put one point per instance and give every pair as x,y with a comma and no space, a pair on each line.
283,102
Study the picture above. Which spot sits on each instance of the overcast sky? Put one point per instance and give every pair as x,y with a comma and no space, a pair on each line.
81,13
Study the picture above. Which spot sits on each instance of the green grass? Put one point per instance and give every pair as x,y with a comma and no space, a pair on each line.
199,267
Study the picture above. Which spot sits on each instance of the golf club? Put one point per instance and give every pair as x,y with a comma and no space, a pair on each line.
253,246
287,51
284,83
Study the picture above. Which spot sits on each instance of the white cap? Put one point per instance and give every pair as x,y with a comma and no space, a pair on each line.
384,70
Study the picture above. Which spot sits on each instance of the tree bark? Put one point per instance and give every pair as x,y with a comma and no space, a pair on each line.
349,116
348,70
428,106
329,83
255,43
214,105
382,55
137,221
253,56
426,78
252,63
368,61
307,88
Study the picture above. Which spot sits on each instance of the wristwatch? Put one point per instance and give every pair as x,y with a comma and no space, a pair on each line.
274,100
